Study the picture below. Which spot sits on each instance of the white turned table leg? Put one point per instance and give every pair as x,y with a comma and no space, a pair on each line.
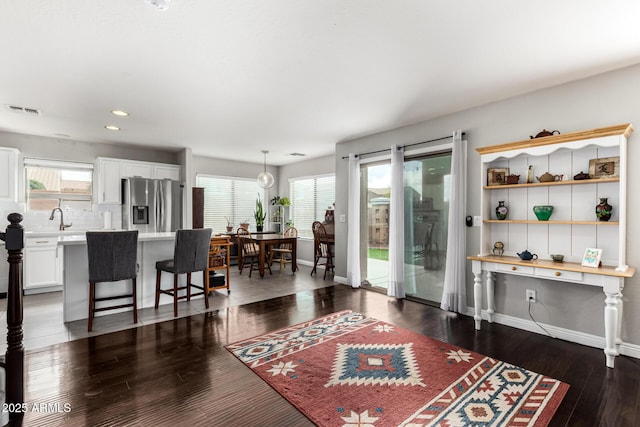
611,322
490,305
476,268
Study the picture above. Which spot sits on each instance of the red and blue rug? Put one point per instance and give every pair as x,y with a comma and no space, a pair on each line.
349,370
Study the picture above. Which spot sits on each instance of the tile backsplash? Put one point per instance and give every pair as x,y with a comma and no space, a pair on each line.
81,221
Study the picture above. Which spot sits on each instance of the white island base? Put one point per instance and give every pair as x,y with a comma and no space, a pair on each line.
152,247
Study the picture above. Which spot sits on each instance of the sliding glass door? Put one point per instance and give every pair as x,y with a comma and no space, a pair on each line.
426,200
426,190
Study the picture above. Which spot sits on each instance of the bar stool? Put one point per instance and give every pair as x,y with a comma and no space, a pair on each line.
112,257
190,255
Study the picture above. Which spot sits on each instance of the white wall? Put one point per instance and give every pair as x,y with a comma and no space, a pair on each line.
603,100
305,168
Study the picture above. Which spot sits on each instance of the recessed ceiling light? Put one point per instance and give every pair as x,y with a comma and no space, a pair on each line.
112,127
120,113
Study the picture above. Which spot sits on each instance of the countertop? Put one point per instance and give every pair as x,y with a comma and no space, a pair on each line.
77,237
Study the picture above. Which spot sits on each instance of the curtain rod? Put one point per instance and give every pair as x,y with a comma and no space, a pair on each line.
403,146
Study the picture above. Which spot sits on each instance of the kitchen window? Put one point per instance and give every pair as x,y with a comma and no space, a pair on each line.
310,198
53,183
229,199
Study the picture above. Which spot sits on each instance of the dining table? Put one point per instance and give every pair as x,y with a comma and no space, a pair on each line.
265,241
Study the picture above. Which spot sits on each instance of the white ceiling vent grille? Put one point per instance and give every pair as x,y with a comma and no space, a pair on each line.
24,110
297,154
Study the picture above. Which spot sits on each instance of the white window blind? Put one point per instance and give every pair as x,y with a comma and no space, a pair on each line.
310,198
227,197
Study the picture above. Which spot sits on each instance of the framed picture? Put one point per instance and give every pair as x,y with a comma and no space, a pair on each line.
607,167
592,257
497,176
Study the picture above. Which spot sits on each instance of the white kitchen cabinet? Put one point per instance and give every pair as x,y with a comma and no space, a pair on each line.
109,174
8,174
111,171
43,263
137,169
4,269
166,172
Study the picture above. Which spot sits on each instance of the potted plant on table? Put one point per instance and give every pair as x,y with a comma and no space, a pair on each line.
259,215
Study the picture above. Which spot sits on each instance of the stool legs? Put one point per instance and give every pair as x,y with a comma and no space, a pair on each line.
135,301
175,295
92,304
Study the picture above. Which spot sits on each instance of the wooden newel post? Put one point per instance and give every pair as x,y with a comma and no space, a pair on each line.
14,358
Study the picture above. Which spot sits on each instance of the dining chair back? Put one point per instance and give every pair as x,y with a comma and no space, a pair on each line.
323,248
283,249
249,250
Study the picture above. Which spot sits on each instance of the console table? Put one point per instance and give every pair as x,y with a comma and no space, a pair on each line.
608,278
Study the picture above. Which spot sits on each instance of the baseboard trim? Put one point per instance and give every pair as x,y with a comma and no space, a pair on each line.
626,349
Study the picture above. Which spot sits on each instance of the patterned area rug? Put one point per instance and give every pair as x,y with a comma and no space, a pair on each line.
349,370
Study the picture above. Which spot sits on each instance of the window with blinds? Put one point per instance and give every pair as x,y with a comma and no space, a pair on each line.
229,199
53,183
310,198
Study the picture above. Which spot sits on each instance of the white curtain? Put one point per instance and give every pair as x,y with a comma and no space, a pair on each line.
454,296
396,225
353,222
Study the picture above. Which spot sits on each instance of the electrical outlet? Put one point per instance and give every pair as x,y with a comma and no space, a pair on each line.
531,295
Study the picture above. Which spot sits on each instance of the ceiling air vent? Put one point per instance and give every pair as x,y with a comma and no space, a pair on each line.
297,154
23,110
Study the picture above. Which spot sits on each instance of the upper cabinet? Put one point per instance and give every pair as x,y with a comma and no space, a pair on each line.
8,174
571,172
111,171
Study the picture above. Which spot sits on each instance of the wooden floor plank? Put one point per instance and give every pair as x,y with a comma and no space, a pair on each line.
179,373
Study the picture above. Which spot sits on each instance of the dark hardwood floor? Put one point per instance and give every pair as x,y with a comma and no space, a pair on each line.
177,373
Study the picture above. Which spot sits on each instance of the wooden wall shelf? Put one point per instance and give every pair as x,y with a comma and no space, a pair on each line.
551,184
535,221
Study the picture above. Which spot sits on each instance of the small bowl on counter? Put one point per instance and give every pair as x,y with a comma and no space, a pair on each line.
543,212
557,257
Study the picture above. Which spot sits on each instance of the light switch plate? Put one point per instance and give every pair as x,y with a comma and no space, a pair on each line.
477,220
343,218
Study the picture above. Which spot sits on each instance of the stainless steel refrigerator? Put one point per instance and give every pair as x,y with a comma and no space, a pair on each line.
151,205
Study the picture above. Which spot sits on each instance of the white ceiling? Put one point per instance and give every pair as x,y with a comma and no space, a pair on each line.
230,78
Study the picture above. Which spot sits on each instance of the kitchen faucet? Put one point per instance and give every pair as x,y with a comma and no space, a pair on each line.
62,224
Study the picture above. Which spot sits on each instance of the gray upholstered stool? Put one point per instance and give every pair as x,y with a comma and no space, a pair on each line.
112,257
191,254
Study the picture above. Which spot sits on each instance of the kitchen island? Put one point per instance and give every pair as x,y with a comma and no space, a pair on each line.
152,247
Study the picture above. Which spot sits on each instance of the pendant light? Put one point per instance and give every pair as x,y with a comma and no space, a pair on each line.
265,179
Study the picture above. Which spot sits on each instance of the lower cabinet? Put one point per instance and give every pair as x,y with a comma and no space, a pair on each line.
4,270
43,264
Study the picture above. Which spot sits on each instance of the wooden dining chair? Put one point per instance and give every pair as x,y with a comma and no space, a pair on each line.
284,249
323,248
250,250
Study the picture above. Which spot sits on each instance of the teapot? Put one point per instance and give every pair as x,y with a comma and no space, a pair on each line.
581,176
526,255
547,177
544,133
512,179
